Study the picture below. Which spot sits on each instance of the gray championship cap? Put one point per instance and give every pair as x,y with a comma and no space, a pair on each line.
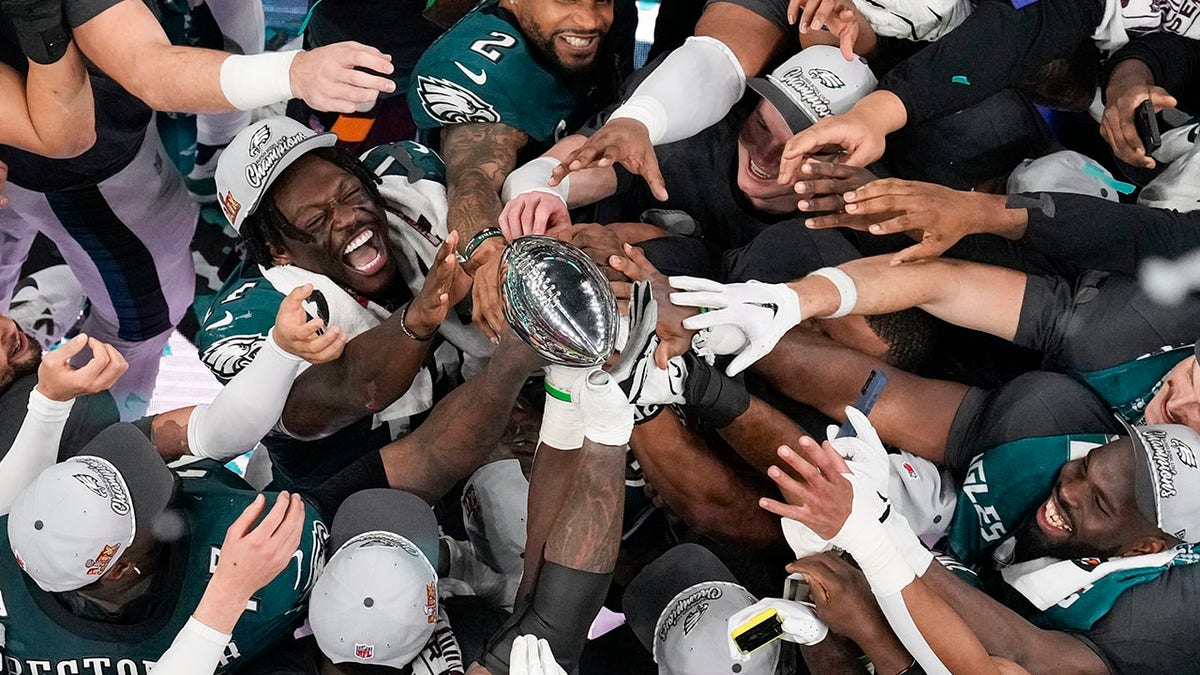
256,157
817,82
1167,479
376,601
78,517
679,607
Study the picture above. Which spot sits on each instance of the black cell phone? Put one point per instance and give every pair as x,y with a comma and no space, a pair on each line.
762,629
871,390
317,307
1146,121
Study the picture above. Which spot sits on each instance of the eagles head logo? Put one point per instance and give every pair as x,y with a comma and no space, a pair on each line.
92,484
450,103
826,78
259,140
693,618
1183,452
228,356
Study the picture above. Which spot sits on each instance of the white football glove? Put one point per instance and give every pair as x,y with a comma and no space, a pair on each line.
532,656
763,312
648,387
800,624
864,452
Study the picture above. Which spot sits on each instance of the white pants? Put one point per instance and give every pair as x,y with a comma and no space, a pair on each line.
127,240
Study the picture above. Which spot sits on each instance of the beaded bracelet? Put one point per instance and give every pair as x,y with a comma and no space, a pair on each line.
408,331
480,237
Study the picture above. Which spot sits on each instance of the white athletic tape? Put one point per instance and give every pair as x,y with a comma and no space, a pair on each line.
534,176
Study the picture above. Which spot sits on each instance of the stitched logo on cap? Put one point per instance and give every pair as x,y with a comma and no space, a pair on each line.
430,603
806,94
364,652
1183,452
259,140
826,78
258,170
682,610
113,488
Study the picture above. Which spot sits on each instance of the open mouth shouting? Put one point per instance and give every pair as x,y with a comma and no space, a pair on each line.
365,253
760,173
1053,520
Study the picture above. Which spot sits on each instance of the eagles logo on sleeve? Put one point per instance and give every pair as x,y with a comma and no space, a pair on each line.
450,103
226,357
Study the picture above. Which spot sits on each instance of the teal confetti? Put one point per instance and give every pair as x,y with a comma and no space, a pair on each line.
960,79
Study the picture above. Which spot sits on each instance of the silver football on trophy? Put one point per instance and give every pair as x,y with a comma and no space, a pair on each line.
558,301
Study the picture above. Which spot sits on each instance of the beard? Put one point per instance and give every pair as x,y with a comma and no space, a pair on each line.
19,369
1032,543
545,47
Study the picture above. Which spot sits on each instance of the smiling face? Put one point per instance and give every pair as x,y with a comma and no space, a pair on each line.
20,354
346,227
567,32
760,146
1177,401
1091,510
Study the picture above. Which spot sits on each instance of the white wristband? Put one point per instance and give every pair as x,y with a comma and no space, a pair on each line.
256,80
534,176
562,424
846,289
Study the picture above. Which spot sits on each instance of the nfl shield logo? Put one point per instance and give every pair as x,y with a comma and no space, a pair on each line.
364,652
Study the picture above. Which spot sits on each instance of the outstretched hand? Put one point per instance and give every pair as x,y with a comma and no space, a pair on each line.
445,285
532,213
940,215
674,339
820,496
837,16
332,78
623,140
58,380
307,338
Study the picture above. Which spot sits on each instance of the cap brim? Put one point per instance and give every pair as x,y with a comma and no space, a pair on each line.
386,510
796,119
1143,480
297,151
151,484
659,582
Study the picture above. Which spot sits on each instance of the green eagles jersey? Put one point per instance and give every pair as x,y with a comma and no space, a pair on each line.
483,70
1128,387
40,636
1003,489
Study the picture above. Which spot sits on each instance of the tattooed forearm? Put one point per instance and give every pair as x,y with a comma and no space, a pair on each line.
587,534
478,158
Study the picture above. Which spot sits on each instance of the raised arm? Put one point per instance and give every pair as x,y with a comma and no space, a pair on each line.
532,206
478,159
378,366
127,43
949,289
250,405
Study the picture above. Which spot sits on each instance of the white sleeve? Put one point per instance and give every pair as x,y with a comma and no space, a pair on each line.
919,20
670,104
35,447
247,408
197,650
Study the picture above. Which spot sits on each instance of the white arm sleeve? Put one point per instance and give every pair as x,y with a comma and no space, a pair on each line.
919,20
35,447
247,408
670,104
197,650
534,176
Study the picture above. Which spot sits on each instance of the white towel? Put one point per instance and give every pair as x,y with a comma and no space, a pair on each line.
1047,581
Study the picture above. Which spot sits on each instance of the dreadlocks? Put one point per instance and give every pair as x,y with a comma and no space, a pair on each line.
266,228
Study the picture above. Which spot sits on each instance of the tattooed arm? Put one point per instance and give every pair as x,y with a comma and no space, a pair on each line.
478,158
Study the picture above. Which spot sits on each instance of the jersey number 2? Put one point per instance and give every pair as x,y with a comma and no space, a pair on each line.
485,47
